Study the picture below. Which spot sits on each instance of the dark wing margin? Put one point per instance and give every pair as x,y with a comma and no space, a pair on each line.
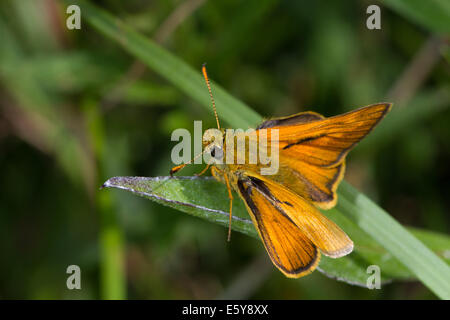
302,117
289,249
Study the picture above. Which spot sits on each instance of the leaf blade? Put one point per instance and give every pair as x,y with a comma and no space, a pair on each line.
181,193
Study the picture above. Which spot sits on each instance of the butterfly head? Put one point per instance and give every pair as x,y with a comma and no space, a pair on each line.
213,143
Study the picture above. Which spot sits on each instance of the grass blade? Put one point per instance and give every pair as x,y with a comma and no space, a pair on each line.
432,14
169,66
431,270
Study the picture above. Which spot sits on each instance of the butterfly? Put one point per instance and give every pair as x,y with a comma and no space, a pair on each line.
284,206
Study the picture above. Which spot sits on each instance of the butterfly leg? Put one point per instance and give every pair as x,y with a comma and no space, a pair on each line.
176,169
230,195
203,171
181,166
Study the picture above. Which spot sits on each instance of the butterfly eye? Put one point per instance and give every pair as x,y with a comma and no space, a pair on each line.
217,153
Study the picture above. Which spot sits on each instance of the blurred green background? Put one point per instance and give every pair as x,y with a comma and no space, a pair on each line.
76,109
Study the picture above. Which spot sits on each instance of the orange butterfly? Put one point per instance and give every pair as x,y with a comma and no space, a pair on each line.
285,206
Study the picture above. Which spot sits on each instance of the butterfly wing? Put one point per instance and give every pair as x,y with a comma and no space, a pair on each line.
283,206
312,149
289,249
291,228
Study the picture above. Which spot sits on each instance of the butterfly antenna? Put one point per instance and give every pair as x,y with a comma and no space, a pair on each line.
205,75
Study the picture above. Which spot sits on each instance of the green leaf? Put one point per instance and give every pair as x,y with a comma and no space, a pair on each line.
419,259
181,193
432,14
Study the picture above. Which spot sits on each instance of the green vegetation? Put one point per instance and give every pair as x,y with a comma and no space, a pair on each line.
81,106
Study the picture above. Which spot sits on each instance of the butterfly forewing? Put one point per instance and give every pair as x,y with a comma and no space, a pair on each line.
324,233
312,149
288,247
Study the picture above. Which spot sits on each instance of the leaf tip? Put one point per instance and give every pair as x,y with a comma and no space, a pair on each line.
109,183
